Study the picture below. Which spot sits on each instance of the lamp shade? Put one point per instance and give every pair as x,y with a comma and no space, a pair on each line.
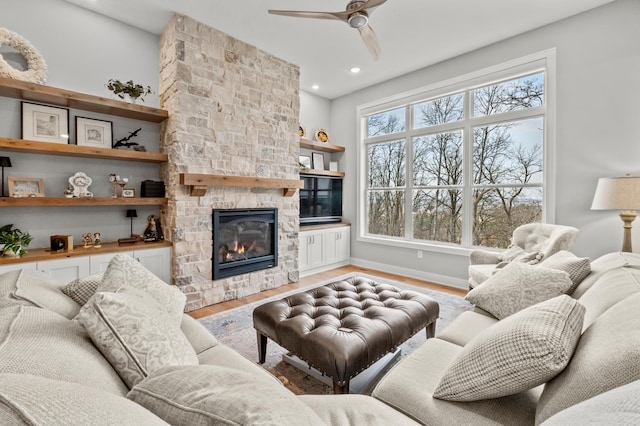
132,213
5,162
618,193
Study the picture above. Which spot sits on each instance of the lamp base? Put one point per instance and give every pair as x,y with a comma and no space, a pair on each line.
627,218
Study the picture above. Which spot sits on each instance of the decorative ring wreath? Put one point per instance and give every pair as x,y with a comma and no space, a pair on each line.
36,71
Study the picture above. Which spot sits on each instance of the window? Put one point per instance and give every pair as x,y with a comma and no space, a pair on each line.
461,165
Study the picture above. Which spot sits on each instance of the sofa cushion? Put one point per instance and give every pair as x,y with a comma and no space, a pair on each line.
348,410
466,326
43,343
480,272
515,354
32,288
134,334
577,267
125,274
619,406
607,356
204,394
27,399
81,289
409,386
604,264
518,286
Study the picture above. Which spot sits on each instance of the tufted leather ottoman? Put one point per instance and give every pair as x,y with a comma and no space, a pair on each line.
342,328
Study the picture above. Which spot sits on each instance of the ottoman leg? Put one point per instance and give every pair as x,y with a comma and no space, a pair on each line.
431,330
262,347
337,389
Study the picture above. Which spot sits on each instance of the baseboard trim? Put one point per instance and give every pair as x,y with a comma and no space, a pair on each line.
413,273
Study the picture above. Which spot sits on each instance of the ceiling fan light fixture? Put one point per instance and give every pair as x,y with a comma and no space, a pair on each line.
358,20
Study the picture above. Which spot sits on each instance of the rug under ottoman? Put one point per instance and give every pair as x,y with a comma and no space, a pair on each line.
342,328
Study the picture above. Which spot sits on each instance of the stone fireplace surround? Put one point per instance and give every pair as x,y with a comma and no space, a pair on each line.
233,110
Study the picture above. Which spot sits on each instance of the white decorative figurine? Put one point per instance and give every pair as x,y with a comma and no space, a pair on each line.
80,183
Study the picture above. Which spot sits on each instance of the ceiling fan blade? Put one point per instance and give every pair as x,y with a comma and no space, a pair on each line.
371,41
340,16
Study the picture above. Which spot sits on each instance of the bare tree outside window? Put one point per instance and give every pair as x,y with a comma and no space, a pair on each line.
503,187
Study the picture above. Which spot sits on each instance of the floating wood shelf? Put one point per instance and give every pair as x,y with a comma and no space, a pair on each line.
320,146
40,254
200,182
33,147
312,172
13,88
83,201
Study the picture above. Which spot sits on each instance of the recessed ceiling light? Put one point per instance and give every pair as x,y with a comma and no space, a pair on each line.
355,70
315,87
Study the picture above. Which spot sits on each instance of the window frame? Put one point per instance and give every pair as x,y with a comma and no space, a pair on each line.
541,61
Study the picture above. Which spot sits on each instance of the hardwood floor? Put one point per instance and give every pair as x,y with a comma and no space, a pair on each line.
322,276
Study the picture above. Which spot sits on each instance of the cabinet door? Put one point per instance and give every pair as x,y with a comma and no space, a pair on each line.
99,262
311,250
65,270
157,260
337,245
30,266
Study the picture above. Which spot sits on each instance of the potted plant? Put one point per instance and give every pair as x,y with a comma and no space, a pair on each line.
131,89
13,241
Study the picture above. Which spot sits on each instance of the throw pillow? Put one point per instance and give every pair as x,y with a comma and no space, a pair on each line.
577,267
207,394
518,286
124,274
81,289
515,354
28,399
134,335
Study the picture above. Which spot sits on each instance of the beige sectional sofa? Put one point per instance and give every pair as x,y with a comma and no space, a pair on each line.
69,363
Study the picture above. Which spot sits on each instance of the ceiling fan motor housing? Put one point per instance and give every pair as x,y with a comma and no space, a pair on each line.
358,20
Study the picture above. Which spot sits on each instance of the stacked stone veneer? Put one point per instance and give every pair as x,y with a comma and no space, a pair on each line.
233,111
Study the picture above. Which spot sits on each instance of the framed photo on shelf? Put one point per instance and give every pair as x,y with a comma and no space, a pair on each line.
318,161
21,187
92,132
45,123
128,193
305,161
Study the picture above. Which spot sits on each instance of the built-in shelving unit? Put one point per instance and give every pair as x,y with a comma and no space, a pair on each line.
81,201
320,146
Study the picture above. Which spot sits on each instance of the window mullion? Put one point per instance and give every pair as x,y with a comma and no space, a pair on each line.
467,156
408,195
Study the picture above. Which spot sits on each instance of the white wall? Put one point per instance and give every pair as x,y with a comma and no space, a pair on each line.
598,64
82,51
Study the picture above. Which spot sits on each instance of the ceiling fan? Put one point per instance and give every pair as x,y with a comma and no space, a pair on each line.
356,16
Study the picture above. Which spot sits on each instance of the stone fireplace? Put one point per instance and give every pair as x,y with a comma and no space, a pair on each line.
233,111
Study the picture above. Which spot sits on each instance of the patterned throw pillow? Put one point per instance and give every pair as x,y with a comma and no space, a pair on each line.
515,354
216,395
134,335
125,274
81,289
518,286
577,267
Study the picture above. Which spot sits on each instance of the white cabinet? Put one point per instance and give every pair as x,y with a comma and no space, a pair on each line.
323,249
311,250
67,269
157,260
337,247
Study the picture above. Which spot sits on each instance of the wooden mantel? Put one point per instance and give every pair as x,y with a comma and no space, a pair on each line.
200,182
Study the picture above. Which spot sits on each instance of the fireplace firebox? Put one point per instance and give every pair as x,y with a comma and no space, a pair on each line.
244,240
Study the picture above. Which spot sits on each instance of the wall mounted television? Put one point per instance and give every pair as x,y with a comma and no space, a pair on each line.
320,200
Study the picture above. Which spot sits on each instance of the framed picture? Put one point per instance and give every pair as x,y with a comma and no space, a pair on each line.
25,187
305,161
45,123
128,193
92,132
322,136
318,161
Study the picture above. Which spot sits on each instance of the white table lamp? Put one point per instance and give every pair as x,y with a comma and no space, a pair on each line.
619,193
